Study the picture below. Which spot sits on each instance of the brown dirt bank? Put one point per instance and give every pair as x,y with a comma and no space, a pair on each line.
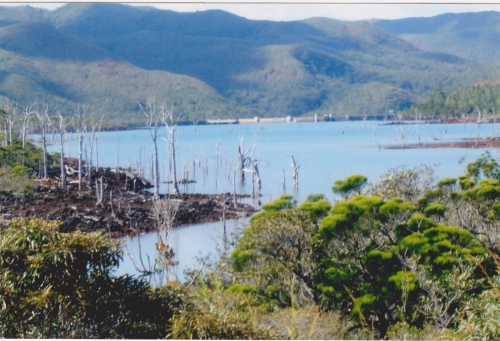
129,211
466,143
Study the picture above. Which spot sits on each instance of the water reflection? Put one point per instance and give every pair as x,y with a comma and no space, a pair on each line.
191,244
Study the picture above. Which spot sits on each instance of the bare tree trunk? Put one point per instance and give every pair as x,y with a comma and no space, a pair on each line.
257,175
44,147
80,155
28,111
156,177
295,172
241,164
10,117
113,213
284,187
81,128
44,124
62,131
172,158
234,189
153,119
167,118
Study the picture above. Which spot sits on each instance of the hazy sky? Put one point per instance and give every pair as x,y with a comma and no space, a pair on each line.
294,10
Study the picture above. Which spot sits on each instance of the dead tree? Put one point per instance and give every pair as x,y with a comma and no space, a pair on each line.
99,191
80,128
10,117
95,128
245,158
168,119
284,185
256,182
295,172
153,122
26,115
164,212
44,125
61,131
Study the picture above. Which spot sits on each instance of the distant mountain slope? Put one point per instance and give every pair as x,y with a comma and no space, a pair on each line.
39,40
279,67
111,87
216,64
473,36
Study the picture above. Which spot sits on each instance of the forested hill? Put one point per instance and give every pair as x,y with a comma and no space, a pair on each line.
482,100
473,36
215,64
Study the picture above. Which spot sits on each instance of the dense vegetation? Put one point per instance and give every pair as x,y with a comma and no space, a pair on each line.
214,64
481,101
472,36
403,258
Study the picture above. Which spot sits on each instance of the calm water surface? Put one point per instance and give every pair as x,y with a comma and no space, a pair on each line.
325,151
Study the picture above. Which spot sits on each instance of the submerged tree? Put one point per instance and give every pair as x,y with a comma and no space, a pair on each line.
169,120
153,123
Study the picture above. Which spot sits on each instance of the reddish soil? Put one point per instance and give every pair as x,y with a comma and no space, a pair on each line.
467,143
131,203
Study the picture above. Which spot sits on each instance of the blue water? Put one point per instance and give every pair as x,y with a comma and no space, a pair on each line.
325,151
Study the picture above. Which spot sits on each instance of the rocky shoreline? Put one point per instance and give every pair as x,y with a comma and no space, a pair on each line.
125,207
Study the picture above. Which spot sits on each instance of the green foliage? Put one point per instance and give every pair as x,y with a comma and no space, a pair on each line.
448,34
19,171
315,197
316,205
281,68
350,186
446,182
212,312
436,209
285,201
464,101
272,250
480,320
56,285
16,182
13,155
483,167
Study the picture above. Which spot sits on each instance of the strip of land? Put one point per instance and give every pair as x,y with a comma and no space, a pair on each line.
479,143
125,208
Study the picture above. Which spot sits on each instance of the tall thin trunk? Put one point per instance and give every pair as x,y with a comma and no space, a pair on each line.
172,158
155,169
241,165
44,146
61,162
80,155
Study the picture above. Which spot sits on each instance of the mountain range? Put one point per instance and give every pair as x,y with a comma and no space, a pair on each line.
213,64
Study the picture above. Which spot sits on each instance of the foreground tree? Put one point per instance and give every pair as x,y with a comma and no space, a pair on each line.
381,260
59,285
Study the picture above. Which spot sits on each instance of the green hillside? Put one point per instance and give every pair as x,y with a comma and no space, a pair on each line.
481,97
216,64
473,36
111,87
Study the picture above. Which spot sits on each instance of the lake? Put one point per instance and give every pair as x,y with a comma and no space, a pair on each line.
326,151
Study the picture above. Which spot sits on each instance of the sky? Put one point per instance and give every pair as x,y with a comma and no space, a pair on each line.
278,10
